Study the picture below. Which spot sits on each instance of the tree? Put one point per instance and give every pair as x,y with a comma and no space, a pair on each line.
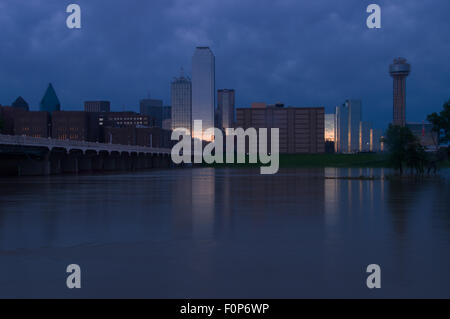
441,123
416,157
404,148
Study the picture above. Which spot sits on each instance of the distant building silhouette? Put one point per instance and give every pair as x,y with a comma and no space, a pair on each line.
225,108
97,106
258,105
375,140
364,136
203,88
167,112
424,133
181,100
399,70
152,108
21,103
50,101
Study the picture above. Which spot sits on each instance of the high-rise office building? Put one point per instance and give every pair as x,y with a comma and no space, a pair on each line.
399,70
97,106
225,108
181,99
152,108
348,118
376,145
50,101
341,129
203,89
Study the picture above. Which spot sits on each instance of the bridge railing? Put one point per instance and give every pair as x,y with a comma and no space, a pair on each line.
71,144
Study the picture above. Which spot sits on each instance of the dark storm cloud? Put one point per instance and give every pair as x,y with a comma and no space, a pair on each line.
300,52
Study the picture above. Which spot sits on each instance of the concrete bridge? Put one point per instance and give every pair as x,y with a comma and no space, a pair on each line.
24,156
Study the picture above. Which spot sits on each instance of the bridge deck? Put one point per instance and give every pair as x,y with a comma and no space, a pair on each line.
70,145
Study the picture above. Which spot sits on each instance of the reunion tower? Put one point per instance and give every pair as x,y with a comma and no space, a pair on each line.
399,70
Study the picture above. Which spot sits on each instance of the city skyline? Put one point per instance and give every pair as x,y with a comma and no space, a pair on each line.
287,70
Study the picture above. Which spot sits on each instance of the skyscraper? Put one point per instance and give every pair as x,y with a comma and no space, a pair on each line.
181,99
354,119
203,89
399,70
341,129
152,108
347,128
50,101
225,108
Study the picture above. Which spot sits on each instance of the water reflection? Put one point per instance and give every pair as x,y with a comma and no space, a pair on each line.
203,199
208,225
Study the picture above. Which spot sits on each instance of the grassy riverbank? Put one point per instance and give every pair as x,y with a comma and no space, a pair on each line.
327,160
323,160
334,160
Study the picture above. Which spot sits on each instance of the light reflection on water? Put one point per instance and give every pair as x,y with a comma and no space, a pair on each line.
235,233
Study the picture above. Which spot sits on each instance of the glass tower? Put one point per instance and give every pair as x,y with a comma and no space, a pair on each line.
50,101
348,127
203,89
341,129
225,108
181,99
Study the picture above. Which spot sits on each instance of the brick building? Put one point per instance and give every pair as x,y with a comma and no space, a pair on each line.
137,136
301,130
8,115
35,124
124,119
75,125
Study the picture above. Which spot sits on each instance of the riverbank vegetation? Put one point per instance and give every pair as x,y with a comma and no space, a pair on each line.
406,152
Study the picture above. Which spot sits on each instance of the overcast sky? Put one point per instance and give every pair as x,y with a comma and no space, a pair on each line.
303,53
